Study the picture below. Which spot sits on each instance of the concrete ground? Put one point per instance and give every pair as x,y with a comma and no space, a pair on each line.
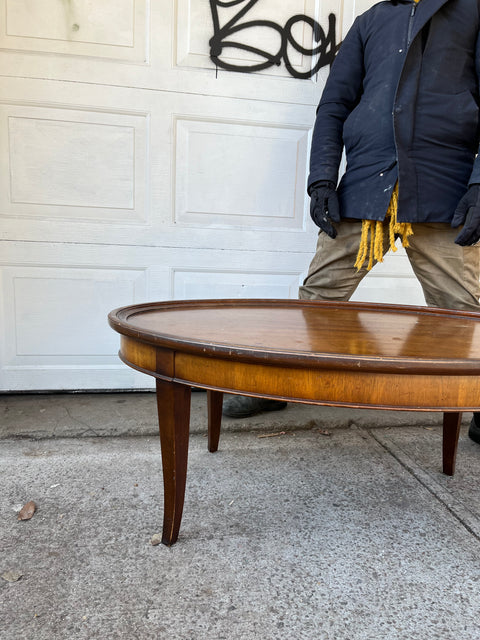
311,523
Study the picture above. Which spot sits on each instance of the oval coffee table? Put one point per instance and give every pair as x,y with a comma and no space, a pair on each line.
345,354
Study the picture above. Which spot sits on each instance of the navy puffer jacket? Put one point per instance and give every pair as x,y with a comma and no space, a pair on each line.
403,99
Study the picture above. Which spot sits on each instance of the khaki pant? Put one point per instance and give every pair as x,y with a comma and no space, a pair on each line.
449,274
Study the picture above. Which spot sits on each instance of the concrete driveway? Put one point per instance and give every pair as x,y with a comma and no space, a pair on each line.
310,523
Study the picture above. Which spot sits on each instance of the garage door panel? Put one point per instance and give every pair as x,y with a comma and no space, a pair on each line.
76,165
191,284
58,314
54,325
215,273
114,29
195,28
232,174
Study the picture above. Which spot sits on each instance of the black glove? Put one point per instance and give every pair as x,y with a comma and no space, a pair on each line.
324,206
468,214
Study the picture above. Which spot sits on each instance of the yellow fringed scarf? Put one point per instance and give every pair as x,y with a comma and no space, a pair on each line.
374,229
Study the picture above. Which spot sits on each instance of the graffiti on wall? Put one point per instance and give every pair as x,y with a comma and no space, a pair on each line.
323,52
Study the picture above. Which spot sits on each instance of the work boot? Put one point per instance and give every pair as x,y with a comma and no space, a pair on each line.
474,431
246,406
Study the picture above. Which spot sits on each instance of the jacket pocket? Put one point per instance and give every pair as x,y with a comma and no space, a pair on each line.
351,128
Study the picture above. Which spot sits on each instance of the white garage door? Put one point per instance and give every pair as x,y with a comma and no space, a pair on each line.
135,168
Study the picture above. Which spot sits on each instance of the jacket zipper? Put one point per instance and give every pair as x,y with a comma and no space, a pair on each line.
410,22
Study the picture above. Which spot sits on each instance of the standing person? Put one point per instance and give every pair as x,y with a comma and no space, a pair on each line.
402,99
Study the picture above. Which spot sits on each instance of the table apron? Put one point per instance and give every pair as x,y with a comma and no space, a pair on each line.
336,387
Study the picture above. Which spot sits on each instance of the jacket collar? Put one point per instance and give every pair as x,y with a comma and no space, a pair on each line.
425,10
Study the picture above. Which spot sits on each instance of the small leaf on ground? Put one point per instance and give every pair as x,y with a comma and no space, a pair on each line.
27,511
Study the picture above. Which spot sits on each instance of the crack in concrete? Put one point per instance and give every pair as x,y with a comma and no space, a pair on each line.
456,508
88,427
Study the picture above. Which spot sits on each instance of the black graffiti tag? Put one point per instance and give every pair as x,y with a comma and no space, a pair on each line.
326,47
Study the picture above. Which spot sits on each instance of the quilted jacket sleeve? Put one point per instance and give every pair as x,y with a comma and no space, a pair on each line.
341,94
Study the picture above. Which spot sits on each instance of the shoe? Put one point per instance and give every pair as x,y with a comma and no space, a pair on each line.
474,431
246,406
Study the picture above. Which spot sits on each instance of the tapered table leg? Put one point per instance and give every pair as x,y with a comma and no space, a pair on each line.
451,430
173,402
215,403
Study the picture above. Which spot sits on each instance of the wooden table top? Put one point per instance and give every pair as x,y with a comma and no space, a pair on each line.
351,335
